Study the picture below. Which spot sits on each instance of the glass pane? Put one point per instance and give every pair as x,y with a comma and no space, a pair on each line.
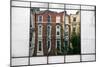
38,60
88,58
18,3
38,35
19,61
87,32
56,6
20,31
57,22
72,58
35,4
72,32
56,59
72,6
88,7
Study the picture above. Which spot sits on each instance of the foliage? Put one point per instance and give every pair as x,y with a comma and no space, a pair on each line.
75,40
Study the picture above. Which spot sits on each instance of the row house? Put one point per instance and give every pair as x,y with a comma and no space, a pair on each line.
51,32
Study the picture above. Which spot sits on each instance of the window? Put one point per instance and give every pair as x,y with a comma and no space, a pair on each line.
66,27
40,30
57,19
74,19
48,44
58,45
39,19
66,33
40,46
66,44
58,32
74,29
58,27
48,30
49,19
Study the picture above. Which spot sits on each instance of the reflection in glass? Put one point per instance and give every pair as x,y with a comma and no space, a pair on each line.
55,32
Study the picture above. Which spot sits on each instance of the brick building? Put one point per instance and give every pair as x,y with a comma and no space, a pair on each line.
51,32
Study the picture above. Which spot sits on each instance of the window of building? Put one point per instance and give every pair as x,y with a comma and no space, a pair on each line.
40,46
49,19
57,19
66,27
58,30
48,44
48,30
40,30
58,45
74,29
74,19
39,19
66,33
58,27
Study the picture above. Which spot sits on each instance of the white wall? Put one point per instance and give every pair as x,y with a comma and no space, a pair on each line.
5,33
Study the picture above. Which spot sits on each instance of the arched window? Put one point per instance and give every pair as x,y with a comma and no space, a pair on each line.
49,19
58,30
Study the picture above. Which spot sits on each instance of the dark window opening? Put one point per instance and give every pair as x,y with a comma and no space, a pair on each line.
58,33
74,19
48,44
40,32
39,45
49,19
58,45
40,19
58,27
74,29
48,30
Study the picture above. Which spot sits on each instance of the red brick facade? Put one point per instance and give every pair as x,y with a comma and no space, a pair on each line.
44,29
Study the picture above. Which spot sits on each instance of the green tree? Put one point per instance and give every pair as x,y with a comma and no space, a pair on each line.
75,40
